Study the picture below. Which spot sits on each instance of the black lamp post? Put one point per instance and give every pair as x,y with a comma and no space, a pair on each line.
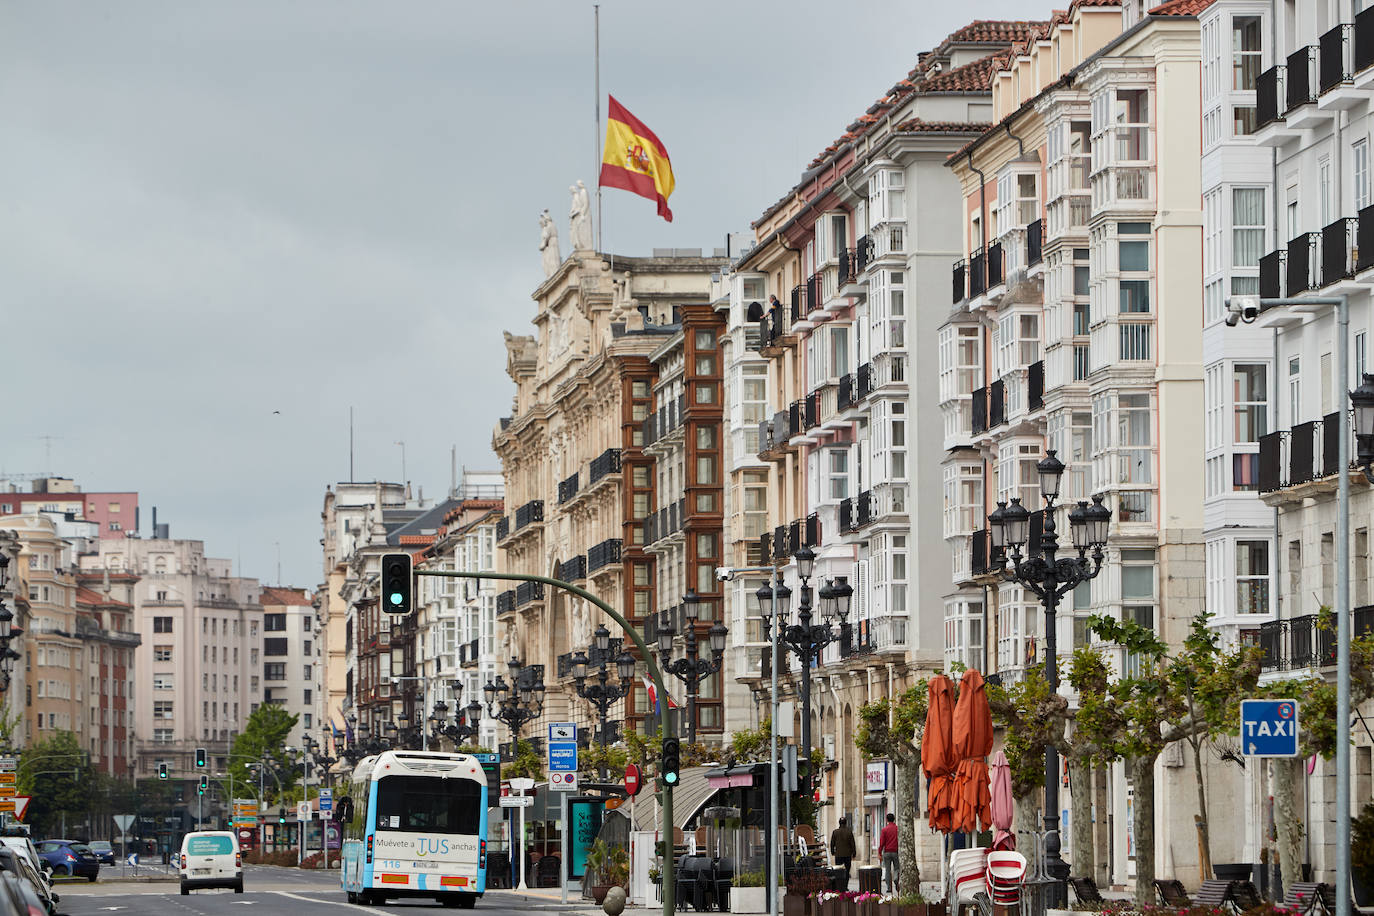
805,639
603,694
1362,399
325,761
691,669
8,630
466,719
520,701
1051,578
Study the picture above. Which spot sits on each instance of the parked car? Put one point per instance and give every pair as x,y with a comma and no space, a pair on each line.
103,851
68,857
17,898
21,844
15,863
210,858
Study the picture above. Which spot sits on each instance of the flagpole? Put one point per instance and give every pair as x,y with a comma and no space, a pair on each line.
596,12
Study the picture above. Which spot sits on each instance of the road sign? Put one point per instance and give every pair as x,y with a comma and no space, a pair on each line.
326,801
122,821
6,806
21,805
563,782
517,801
7,779
562,755
1269,728
303,811
8,763
562,731
632,780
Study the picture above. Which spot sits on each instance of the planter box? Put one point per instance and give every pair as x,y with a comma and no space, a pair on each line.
795,905
749,900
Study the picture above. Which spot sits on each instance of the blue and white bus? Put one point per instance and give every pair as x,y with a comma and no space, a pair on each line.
415,825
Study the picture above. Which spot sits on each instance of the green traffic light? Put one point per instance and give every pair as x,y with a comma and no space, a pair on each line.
670,778
396,598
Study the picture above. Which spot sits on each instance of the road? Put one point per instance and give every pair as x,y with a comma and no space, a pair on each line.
270,890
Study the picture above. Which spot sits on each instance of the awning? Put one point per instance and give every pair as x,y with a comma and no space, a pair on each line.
691,795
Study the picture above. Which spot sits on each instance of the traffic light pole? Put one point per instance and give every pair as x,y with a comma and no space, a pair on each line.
665,791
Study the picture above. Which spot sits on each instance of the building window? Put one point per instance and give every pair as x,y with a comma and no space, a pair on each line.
838,473
162,624
274,646
1246,52
1360,164
1250,394
162,653
162,736
1247,222
163,682
274,671
274,623
162,709
1252,577
1294,390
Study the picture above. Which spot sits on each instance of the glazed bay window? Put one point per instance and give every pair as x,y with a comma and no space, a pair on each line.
1071,434
1252,577
963,631
1139,595
837,474
1016,471
963,490
1250,403
887,211
1121,148
755,502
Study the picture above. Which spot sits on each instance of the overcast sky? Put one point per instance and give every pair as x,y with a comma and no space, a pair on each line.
214,211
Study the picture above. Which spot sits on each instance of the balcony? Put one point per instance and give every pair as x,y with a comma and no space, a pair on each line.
980,411
799,303
664,523
603,554
1271,127
1035,243
1301,270
1301,90
866,510
1270,270
996,266
1035,385
603,465
529,513
978,277
796,419
567,489
1337,68
780,545
503,528
812,410
505,601
846,398
1364,238
864,382
1364,40
469,654
856,640
815,292
997,404
1304,642
1307,453
665,421
573,570
1338,251
847,515
960,281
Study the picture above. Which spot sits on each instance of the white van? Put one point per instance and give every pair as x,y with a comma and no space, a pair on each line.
210,858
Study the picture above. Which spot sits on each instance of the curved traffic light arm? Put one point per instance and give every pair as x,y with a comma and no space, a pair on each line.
654,672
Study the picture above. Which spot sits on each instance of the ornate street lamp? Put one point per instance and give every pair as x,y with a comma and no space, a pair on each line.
691,669
603,694
520,701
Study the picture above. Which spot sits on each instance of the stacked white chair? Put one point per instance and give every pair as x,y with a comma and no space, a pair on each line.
1005,871
967,874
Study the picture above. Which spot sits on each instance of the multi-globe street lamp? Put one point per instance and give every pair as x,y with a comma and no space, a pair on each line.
1050,578
807,640
691,669
603,694
520,701
466,719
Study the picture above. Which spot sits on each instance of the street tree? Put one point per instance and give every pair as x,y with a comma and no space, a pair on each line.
892,729
263,741
56,774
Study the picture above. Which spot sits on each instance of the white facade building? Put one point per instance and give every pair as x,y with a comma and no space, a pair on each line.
291,655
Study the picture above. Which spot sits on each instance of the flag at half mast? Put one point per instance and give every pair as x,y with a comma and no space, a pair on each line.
635,160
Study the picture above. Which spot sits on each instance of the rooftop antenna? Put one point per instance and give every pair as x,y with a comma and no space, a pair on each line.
402,444
278,543
350,444
47,449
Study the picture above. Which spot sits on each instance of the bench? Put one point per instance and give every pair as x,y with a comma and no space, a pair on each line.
1244,896
1309,896
1085,889
1215,894
1171,892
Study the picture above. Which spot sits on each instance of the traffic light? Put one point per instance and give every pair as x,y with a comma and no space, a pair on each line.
281,815
200,758
671,762
204,784
396,584
162,771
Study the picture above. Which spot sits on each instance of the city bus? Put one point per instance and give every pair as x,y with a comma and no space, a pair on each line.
415,825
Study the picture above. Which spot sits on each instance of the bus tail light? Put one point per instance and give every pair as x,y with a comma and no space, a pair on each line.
183,861
369,849
482,854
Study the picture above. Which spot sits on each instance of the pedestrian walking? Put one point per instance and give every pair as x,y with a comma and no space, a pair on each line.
842,846
887,846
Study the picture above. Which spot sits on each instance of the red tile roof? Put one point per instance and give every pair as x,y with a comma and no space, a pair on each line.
411,539
994,30
974,77
292,597
916,125
1077,3
86,597
1181,7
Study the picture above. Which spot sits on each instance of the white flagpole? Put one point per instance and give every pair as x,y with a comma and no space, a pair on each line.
596,11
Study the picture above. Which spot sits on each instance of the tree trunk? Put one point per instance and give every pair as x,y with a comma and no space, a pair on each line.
1203,837
1080,817
1287,820
1103,825
1143,778
1025,823
908,768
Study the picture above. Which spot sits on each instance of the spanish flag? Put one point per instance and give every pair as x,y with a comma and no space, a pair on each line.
635,160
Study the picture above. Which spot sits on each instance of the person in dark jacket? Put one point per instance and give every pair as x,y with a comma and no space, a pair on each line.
842,846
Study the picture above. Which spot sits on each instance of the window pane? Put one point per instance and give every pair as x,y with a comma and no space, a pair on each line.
1135,255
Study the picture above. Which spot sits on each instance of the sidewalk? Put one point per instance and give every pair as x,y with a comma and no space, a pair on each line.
576,902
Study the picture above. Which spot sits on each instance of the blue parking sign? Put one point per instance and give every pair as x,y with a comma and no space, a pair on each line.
1269,728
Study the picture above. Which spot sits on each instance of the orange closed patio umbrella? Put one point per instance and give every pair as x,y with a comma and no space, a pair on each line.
972,734
938,759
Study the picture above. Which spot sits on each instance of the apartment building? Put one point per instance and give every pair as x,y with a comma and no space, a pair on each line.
832,356
572,453
115,514
1313,101
291,658
199,667
105,623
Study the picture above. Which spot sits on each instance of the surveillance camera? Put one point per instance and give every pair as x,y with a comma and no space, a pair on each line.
1242,308
724,573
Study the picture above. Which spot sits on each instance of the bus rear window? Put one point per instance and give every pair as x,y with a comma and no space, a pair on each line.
209,845
424,804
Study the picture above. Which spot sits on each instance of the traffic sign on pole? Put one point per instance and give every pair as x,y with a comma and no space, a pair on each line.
326,801
1269,728
562,756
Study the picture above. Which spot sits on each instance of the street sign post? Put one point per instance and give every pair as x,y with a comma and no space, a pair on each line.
326,801
1269,728
517,801
562,756
520,785
632,780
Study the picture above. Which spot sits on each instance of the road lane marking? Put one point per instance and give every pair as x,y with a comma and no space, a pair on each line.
351,906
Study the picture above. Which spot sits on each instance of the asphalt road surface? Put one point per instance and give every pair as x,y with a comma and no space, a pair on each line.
269,890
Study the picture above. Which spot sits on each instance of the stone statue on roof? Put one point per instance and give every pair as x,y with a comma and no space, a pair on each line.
548,244
581,217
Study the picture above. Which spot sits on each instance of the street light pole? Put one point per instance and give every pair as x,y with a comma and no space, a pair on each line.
602,694
691,670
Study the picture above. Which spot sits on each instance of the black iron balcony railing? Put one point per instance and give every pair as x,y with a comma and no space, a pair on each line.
815,293
1338,250
780,544
864,381
1270,270
778,324
812,531
608,462
1035,241
505,601
794,536
960,281
1364,39
1302,261
525,592
1331,446
1364,238
665,420
780,429
996,263
1302,453
845,398
529,513
857,639
813,410
798,301
863,252
574,569
1337,57
997,404
847,514
867,507
1035,385
796,419
567,489
1270,477
503,528
469,652
1302,77
980,411
978,552
765,436
603,554
1268,92
978,277
848,261
664,523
